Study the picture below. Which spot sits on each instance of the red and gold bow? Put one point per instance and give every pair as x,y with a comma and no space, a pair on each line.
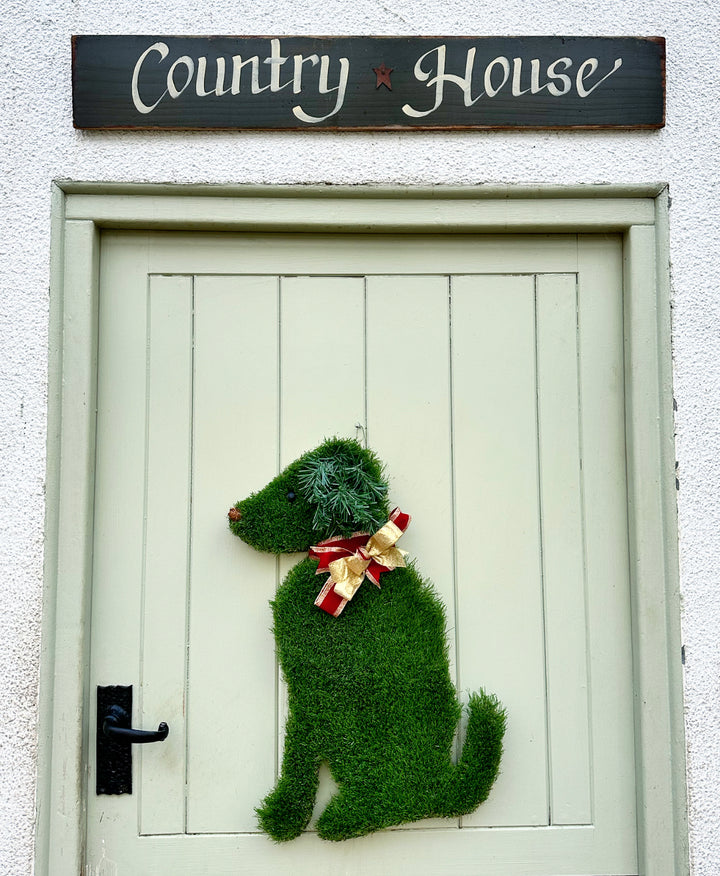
351,560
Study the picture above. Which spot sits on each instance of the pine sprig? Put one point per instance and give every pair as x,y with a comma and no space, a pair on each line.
343,491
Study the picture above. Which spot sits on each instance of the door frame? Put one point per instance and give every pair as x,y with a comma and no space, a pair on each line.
640,213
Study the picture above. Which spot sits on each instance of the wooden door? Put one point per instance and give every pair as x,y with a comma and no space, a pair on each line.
487,372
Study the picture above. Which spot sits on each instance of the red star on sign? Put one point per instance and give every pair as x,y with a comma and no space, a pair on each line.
383,76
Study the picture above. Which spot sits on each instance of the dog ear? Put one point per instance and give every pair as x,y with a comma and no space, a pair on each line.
345,483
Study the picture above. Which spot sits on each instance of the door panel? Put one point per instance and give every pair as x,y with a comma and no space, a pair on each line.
563,555
166,543
498,527
486,371
230,707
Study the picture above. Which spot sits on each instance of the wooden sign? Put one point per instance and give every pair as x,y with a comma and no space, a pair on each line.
367,83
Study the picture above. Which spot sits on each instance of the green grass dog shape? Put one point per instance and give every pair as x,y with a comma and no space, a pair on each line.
369,690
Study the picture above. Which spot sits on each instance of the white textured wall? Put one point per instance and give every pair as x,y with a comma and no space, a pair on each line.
39,145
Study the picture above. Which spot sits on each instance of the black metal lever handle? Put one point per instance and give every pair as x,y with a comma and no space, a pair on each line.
116,725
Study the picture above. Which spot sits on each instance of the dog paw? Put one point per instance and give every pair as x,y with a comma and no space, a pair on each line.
283,815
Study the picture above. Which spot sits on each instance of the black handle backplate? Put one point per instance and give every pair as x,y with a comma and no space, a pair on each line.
114,758
115,737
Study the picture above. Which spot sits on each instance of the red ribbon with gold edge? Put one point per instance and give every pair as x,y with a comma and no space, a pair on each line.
351,560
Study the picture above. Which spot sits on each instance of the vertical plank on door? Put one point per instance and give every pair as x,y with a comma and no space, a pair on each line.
408,329
322,390
563,549
119,501
167,521
231,679
600,264
500,600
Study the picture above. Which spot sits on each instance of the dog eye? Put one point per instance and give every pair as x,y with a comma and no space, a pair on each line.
290,496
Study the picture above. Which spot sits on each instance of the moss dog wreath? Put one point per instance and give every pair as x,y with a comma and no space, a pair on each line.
366,666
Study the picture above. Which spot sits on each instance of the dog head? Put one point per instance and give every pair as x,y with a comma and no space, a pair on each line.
334,490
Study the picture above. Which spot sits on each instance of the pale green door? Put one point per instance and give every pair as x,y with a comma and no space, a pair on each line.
487,372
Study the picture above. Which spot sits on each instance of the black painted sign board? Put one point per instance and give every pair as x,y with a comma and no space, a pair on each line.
367,83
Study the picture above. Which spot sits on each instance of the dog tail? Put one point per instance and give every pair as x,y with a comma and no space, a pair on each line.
474,774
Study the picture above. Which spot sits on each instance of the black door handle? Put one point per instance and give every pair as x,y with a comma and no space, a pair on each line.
116,725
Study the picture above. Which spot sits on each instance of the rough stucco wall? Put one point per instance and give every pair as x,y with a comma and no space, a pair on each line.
39,145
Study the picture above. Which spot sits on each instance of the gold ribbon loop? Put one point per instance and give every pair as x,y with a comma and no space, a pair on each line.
348,574
381,546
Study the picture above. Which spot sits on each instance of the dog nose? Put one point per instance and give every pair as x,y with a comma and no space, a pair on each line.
234,515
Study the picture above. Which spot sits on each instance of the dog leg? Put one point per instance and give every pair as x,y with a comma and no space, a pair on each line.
285,812
343,818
